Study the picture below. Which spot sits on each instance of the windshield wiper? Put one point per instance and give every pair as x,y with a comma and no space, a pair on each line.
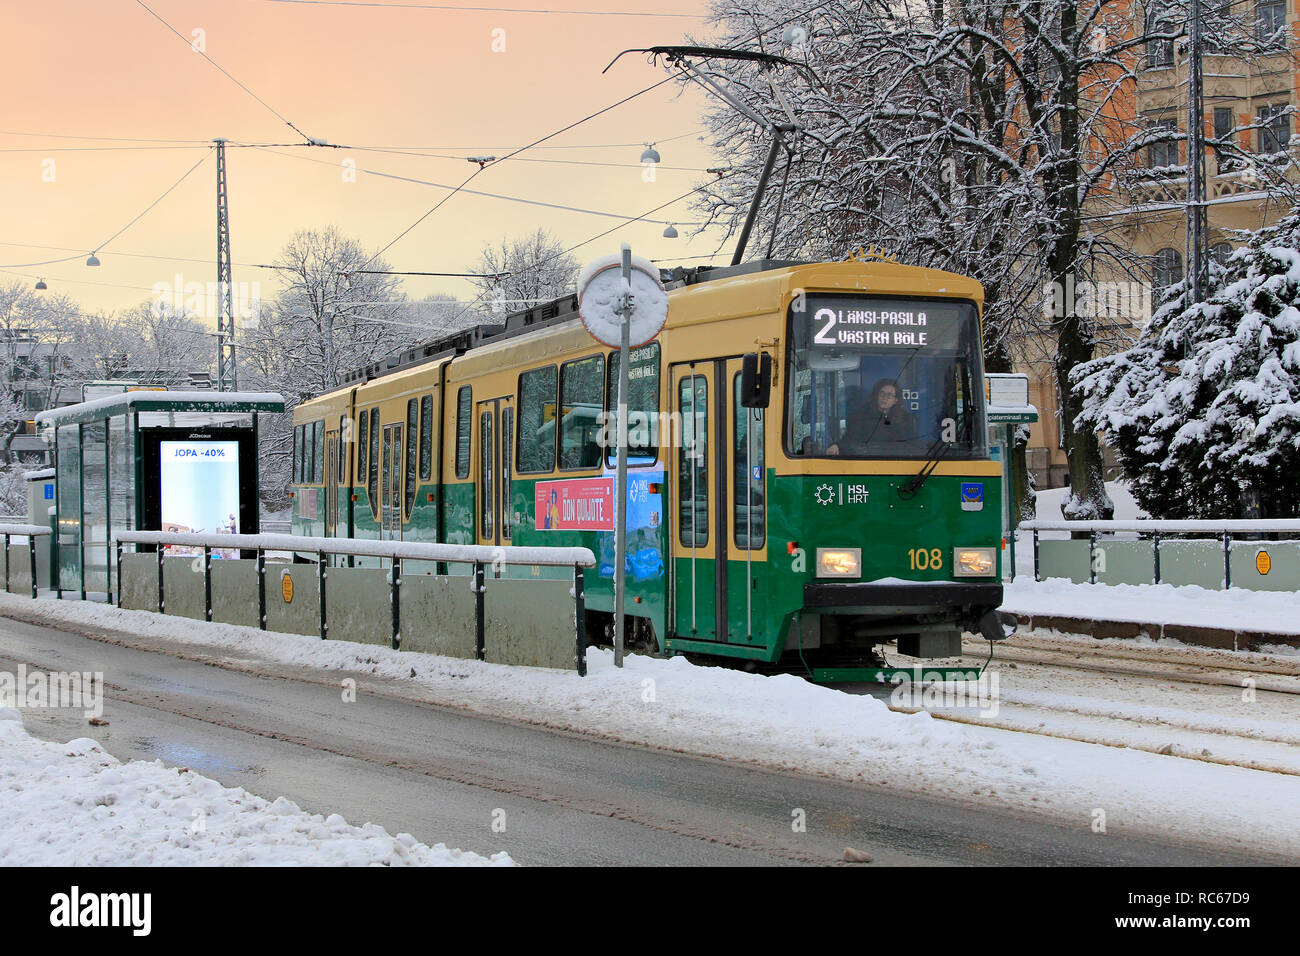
933,456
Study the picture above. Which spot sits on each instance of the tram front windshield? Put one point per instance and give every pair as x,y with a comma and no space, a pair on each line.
874,377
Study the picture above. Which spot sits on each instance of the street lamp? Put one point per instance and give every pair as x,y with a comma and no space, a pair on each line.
93,260
670,232
650,155
40,285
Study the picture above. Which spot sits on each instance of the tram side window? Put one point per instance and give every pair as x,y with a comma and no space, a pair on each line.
363,446
642,405
507,506
748,500
318,452
297,455
341,453
412,425
692,459
426,437
463,419
308,453
537,421
485,478
580,412
372,479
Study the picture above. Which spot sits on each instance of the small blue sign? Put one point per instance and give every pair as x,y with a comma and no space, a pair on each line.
972,496
758,473
49,492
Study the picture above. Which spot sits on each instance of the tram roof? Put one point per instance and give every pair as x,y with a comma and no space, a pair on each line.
161,401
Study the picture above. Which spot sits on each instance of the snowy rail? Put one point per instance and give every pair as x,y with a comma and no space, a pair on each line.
478,557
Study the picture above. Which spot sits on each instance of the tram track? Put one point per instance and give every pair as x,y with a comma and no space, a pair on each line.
1118,696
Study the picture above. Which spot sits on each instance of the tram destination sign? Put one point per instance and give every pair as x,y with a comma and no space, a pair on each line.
858,322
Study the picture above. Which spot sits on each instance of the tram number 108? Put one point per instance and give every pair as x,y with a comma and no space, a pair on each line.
925,559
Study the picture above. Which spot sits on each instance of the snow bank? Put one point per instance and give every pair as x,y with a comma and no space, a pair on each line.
74,804
1276,612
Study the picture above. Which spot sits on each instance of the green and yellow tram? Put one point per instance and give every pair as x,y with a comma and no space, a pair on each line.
809,471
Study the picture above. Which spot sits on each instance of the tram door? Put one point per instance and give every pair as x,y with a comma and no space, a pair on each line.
332,468
390,483
494,438
719,527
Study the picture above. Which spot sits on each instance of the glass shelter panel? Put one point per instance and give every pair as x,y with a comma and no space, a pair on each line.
69,508
94,505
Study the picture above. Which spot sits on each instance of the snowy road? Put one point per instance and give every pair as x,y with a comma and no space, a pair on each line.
487,785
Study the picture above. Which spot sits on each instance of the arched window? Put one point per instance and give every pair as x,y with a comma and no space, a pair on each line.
1220,251
1166,270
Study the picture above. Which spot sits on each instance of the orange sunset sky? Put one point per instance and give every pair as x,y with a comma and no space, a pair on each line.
79,73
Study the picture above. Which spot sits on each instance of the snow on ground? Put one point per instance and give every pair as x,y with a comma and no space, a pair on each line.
1272,611
1047,503
74,804
786,723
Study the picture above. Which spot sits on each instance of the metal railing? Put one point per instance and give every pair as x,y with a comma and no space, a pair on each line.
477,556
1155,527
31,532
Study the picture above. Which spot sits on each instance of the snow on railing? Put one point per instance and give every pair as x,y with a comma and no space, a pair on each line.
31,532
479,556
1155,527
1160,526
370,548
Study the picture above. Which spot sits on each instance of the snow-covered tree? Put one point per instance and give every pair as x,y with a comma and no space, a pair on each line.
329,318
1204,410
522,271
988,137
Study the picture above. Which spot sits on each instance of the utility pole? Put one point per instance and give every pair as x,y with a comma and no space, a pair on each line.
1197,225
226,378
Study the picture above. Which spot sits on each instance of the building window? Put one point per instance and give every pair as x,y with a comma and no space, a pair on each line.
1166,271
1224,124
1274,128
1270,18
1159,52
1160,155
1220,252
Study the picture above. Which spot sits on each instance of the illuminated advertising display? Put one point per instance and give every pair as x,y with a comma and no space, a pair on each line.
199,488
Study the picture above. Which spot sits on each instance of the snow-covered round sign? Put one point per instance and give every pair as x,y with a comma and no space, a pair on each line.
600,288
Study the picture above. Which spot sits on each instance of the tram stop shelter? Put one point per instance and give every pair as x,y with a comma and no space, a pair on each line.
184,461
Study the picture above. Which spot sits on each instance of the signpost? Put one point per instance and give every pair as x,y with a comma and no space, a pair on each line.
1008,405
621,303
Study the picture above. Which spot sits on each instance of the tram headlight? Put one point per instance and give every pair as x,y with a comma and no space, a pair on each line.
839,562
974,562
